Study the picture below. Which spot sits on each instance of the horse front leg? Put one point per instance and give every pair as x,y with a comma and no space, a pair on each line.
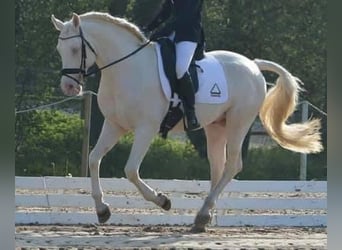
109,136
142,139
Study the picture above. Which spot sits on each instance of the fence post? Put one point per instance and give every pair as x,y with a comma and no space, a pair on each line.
303,157
86,133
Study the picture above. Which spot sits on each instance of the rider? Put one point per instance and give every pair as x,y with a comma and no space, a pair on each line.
184,25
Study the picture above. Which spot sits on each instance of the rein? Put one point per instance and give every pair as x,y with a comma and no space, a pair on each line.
119,60
82,69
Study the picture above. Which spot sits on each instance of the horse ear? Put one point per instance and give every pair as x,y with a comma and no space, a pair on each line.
57,23
75,20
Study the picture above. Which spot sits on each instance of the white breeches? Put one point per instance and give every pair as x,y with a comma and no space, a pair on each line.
184,52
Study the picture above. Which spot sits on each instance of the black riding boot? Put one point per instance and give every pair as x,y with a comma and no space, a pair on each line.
187,95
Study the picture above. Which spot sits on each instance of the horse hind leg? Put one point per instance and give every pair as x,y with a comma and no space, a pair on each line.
236,130
216,151
109,136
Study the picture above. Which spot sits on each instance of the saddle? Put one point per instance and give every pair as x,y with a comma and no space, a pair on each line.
168,53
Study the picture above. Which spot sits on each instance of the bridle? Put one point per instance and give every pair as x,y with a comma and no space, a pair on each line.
82,70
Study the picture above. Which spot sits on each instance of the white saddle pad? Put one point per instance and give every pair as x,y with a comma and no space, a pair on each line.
212,82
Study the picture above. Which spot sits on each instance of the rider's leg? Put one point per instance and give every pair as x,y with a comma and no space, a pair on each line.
184,53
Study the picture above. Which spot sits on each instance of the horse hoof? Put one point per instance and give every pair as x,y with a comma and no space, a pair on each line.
167,202
196,229
201,221
104,215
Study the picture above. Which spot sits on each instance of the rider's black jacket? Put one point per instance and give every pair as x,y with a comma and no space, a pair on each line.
183,17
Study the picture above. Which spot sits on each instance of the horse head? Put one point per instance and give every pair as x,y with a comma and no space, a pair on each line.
76,53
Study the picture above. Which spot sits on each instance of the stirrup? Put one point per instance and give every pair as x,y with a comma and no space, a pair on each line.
193,127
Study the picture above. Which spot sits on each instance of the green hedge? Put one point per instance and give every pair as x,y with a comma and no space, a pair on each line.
173,159
279,164
50,143
55,138
166,159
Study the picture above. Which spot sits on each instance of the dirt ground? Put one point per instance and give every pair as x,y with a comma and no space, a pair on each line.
95,237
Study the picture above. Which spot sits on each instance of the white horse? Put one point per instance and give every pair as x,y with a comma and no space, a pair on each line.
131,99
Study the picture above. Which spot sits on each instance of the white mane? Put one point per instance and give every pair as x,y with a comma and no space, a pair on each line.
105,17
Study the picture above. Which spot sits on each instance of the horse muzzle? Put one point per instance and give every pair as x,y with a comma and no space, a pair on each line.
71,87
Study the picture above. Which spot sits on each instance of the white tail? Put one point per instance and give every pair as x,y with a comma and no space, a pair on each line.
279,104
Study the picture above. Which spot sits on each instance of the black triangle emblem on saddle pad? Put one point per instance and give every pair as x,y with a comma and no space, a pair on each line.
215,91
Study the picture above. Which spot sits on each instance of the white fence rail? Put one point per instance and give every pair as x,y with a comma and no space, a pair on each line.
53,200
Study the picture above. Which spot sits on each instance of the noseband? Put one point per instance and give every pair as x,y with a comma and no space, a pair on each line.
81,71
